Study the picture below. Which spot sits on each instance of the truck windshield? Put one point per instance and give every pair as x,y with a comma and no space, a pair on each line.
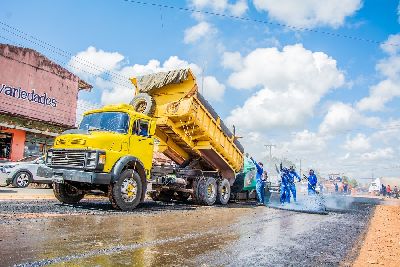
106,121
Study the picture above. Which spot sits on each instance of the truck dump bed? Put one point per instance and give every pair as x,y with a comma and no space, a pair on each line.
187,125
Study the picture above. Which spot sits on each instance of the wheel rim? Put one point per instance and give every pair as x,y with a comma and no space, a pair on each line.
23,180
141,106
224,192
129,190
210,191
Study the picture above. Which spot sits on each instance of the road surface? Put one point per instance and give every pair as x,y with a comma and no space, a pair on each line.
43,232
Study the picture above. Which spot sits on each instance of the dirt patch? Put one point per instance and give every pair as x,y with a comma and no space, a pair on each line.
382,242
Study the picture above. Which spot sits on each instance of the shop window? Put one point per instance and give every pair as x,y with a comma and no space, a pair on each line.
33,149
5,145
37,145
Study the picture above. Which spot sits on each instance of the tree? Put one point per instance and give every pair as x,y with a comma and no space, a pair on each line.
353,182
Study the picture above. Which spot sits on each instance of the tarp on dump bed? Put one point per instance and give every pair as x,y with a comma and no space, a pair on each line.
157,80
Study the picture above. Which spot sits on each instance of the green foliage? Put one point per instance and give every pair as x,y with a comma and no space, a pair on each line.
353,182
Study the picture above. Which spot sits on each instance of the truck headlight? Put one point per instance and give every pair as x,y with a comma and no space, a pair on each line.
95,160
91,160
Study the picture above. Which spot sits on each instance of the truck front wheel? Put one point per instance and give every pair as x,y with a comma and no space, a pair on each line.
207,191
224,192
126,192
67,193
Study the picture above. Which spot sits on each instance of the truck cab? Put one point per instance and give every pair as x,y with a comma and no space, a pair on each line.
107,142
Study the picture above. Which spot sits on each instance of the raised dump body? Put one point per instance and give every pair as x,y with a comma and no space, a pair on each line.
187,126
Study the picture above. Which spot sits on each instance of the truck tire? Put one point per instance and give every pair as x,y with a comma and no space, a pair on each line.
224,192
143,103
125,194
67,193
207,191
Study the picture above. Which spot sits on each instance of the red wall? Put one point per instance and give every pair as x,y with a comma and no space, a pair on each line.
42,79
18,143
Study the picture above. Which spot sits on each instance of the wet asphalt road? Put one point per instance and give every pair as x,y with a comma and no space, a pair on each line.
38,233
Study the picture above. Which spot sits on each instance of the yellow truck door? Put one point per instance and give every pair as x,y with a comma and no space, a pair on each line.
141,143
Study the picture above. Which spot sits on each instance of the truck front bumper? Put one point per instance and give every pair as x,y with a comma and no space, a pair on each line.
60,175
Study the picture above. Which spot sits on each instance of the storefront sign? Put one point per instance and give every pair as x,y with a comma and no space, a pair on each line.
32,96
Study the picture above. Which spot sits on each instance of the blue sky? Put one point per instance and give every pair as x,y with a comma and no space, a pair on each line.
306,91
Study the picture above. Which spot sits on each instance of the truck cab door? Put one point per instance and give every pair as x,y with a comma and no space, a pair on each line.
141,144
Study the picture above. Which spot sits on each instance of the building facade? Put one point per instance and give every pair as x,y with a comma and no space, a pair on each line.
38,100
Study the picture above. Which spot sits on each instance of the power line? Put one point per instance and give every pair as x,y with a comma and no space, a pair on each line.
66,53
62,62
248,19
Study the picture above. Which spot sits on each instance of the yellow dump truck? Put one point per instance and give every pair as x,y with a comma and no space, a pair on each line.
112,150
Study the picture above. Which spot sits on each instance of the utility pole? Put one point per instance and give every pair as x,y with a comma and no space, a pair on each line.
202,76
270,150
300,170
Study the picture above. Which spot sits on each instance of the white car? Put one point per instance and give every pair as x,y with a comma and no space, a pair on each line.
22,172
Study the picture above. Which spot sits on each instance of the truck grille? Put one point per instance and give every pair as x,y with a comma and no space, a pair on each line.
68,158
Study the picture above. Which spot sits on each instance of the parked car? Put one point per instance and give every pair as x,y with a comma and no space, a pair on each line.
22,172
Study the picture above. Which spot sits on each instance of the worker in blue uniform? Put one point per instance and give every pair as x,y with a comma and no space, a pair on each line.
292,186
260,188
284,190
312,182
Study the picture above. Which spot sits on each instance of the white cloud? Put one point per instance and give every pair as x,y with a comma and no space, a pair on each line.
380,94
117,88
342,117
212,89
201,30
237,9
117,95
390,67
292,80
392,44
309,13
379,154
357,144
232,60
94,62
388,134
389,87
309,141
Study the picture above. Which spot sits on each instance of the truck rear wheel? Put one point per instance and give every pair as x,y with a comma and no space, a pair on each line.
224,192
126,192
207,191
67,193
